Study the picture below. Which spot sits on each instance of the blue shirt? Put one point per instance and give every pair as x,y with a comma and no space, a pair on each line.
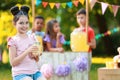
42,34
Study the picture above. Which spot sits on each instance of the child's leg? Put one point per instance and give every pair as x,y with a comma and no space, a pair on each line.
38,76
22,77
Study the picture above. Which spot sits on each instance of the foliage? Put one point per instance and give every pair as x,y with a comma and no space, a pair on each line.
6,28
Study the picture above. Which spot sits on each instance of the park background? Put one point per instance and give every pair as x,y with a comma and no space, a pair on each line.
105,24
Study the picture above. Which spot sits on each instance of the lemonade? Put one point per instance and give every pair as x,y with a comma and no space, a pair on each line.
36,53
40,40
79,42
110,65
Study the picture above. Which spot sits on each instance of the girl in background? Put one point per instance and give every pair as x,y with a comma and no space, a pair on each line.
54,38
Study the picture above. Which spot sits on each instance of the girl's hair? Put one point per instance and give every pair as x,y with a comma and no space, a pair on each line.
16,12
81,11
39,17
49,29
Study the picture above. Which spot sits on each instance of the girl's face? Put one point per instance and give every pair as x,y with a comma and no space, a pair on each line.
39,23
56,27
22,24
81,19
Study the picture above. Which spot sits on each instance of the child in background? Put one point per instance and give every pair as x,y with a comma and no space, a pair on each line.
37,30
81,20
38,25
21,48
54,38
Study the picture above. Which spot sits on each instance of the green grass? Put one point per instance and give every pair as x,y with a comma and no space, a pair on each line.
93,72
5,73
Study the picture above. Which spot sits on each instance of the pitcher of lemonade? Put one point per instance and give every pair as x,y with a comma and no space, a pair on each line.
79,42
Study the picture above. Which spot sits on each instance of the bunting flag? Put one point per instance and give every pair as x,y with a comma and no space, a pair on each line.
63,5
52,5
104,7
92,3
57,5
38,2
76,3
115,9
82,1
69,4
44,4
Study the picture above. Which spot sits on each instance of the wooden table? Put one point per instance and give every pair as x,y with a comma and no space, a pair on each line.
108,74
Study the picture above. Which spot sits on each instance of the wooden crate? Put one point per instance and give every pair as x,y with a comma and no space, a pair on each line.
108,74
56,59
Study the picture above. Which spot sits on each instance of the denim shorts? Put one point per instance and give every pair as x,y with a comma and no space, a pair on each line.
29,76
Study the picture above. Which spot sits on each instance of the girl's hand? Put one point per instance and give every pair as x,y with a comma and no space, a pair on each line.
92,44
36,58
32,49
61,50
31,55
59,34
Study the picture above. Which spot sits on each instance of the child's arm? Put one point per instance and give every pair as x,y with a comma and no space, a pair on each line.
35,57
92,43
14,59
91,36
53,49
58,44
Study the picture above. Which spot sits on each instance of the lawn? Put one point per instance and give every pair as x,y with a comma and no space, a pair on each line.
5,73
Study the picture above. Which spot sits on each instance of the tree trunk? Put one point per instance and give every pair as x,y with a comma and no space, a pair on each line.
102,26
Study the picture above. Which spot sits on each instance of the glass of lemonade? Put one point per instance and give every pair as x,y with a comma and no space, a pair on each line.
39,52
109,64
40,40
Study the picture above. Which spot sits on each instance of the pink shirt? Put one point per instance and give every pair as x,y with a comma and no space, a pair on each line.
27,65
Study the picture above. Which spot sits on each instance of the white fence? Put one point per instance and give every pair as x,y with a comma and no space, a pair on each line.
55,59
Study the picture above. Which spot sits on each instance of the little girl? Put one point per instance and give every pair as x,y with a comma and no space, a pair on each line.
54,38
21,48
